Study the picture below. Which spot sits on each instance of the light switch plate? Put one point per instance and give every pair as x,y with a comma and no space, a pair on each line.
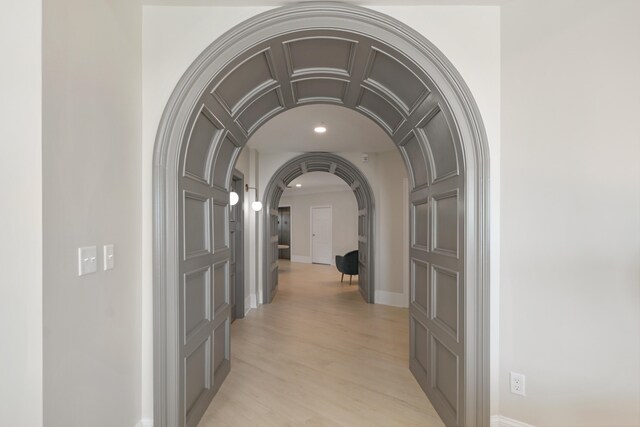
87,260
109,259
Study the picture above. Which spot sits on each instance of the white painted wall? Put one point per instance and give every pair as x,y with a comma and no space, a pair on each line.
344,223
392,228
21,214
570,212
244,165
92,196
468,35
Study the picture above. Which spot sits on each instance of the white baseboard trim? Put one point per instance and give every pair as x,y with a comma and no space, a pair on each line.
253,301
247,305
145,423
391,298
302,259
501,421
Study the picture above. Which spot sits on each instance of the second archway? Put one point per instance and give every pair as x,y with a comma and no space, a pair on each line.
349,173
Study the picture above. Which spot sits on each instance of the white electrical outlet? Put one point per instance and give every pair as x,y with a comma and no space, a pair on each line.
517,383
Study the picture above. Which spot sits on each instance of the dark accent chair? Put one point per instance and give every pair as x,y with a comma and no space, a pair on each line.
347,264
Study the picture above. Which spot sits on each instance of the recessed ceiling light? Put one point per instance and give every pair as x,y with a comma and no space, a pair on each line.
298,185
320,128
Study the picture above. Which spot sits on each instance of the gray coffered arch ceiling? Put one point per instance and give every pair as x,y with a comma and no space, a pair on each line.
353,57
350,174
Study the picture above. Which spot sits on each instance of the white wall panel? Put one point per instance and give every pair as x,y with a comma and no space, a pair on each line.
92,184
345,221
571,203
21,326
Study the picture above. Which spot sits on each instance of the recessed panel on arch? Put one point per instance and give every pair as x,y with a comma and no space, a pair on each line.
314,166
444,220
197,378
420,345
224,155
260,110
221,225
421,232
444,380
440,143
220,348
220,287
320,54
392,77
344,175
196,294
243,82
380,110
420,293
319,90
197,215
446,299
204,134
417,161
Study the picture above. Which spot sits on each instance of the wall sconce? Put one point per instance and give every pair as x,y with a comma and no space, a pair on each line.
233,198
257,205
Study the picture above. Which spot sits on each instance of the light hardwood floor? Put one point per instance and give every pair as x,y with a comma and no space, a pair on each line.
320,356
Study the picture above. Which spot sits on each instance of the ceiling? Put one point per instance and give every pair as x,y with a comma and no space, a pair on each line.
362,3
347,131
318,179
315,182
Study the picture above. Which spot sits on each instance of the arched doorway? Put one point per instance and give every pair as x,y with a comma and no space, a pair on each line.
349,173
359,59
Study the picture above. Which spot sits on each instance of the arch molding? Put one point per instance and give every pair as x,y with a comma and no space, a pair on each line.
386,71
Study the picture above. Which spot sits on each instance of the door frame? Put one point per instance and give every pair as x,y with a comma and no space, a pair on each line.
311,208
290,229
239,290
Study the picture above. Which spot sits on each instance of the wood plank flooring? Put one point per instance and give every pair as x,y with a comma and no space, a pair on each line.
320,356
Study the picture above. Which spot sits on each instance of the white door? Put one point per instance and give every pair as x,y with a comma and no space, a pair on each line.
321,227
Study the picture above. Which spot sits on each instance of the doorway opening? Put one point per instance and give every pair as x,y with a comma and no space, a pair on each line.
236,247
359,59
284,232
321,234
326,213
358,183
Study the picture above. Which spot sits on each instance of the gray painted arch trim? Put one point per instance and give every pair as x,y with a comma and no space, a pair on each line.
473,159
350,174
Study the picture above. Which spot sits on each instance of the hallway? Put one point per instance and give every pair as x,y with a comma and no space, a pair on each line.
320,356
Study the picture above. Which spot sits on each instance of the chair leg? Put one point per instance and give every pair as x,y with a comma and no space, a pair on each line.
350,276
342,278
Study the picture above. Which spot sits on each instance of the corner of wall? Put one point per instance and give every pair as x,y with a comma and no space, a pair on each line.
21,286
395,299
145,422
501,421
